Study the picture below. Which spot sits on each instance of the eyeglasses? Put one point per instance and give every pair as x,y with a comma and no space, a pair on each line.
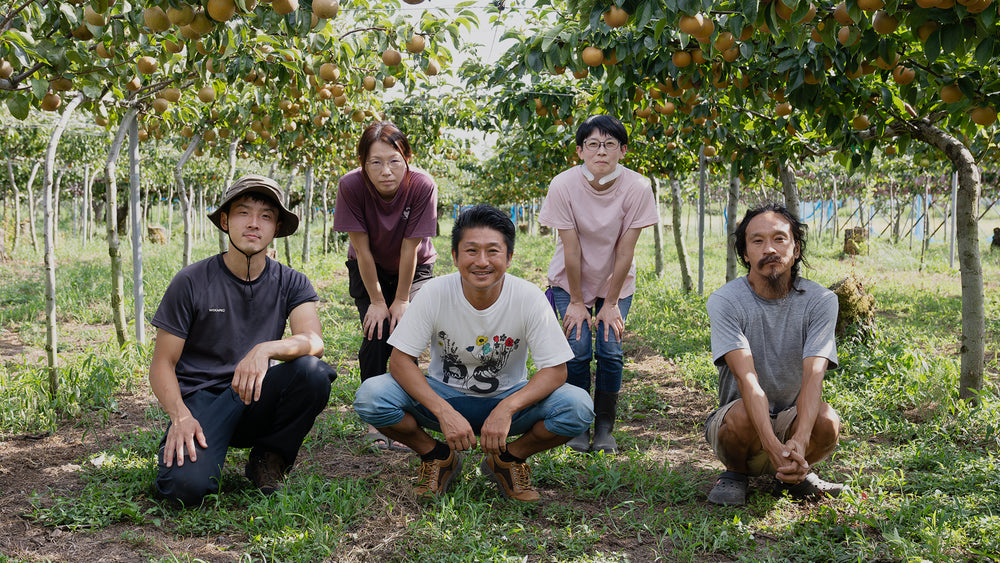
394,164
593,144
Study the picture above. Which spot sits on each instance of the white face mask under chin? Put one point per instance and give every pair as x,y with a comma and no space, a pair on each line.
605,180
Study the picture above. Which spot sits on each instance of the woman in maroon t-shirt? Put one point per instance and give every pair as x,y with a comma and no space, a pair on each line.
389,210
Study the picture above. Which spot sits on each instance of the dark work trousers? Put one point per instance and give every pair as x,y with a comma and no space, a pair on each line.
373,356
293,395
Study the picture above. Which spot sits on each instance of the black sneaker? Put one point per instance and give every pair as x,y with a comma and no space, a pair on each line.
811,488
266,470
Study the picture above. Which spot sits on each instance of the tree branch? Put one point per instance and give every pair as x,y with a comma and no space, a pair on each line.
5,24
361,29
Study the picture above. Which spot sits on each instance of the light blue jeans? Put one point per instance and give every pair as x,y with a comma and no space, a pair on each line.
610,357
381,402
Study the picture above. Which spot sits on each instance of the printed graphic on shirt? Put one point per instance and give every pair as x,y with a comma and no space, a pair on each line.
490,353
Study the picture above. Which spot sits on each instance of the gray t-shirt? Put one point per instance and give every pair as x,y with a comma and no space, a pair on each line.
779,333
221,317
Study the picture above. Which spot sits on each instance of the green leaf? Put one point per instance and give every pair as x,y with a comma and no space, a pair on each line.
92,91
550,37
19,106
984,51
658,29
39,88
932,47
645,15
951,38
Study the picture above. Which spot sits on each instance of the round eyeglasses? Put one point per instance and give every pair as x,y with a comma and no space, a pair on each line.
593,144
393,164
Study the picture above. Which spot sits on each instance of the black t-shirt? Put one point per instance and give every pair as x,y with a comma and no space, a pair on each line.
221,317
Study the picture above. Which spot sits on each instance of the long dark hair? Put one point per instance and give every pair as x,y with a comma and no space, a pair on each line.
798,234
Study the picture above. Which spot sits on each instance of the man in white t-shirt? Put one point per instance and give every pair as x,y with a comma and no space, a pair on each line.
480,324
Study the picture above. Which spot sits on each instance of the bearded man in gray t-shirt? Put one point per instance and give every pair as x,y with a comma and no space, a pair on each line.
772,340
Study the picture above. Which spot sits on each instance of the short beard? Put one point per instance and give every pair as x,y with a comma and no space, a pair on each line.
776,283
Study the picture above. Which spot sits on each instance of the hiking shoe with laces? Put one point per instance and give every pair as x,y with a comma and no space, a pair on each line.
512,478
266,470
811,488
437,475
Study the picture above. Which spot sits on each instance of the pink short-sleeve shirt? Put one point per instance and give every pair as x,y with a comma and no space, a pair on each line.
600,219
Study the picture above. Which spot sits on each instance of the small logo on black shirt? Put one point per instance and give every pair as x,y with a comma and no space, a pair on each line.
217,310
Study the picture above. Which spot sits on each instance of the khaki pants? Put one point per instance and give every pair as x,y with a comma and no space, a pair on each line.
759,463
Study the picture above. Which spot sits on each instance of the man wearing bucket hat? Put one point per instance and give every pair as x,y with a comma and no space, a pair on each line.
222,368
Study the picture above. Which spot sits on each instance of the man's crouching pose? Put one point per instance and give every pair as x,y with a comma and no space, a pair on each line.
480,324
215,368
772,340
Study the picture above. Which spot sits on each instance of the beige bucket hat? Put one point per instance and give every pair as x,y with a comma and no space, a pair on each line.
255,183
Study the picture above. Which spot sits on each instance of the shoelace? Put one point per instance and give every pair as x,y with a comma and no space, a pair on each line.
522,475
426,474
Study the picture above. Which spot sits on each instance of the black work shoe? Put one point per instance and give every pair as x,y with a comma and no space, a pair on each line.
811,488
580,443
266,470
730,489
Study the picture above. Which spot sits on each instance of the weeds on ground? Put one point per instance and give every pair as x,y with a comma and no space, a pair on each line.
26,405
920,464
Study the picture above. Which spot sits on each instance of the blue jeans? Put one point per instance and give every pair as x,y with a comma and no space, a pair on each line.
610,357
381,402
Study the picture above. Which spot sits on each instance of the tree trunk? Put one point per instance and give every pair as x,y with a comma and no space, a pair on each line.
835,229
57,206
230,176
682,261
926,231
789,187
288,195
654,183
170,212
326,232
17,205
702,189
307,214
954,220
51,335
967,234
138,230
31,206
198,194
75,208
111,220
186,203
732,202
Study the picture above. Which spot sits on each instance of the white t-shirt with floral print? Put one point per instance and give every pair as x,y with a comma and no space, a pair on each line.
481,353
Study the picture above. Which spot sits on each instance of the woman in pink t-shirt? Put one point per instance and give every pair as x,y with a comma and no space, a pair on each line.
389,210
599,208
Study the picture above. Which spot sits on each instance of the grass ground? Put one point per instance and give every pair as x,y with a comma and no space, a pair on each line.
76,472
